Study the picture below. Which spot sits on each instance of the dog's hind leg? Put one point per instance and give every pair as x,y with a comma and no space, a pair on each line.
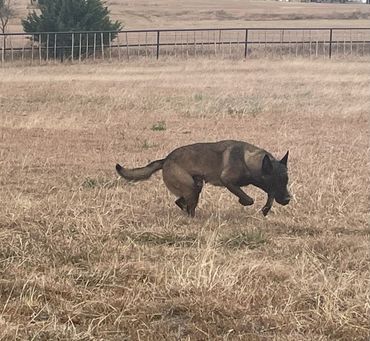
183,185
192,200
180,202
198,183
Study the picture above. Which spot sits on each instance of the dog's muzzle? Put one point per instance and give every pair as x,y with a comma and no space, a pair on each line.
284,201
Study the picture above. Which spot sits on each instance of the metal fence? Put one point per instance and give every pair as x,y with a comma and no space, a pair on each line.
234,43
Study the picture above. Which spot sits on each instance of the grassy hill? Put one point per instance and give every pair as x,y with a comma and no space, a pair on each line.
224,13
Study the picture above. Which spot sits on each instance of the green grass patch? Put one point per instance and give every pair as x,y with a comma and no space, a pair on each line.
90,183
167,238
159,126
251,239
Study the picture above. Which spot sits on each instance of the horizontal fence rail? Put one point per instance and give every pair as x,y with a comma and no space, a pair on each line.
235,43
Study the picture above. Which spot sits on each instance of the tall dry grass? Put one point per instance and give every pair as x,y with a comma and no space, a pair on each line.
85,256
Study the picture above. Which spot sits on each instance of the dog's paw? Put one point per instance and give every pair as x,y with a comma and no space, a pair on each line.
246,201
265,210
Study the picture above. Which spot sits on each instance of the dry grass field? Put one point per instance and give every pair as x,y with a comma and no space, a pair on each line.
86,256
224,13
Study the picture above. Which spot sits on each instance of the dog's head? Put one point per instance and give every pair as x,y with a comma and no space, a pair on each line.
275,177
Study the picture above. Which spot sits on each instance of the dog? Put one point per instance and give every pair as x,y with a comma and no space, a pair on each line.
231,164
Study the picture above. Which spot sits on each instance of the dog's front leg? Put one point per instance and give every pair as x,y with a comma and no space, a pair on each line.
268,205
244,198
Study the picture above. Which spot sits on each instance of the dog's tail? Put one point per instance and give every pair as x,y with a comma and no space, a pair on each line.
141,173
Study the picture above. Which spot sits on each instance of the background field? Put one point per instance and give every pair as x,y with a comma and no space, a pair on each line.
85,255
224,13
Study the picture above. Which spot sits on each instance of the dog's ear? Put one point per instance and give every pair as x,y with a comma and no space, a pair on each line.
266,165
284,160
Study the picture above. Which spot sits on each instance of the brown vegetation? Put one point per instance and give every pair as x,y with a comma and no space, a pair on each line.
85,256
224,13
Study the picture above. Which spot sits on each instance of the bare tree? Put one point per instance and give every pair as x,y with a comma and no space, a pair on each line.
6,12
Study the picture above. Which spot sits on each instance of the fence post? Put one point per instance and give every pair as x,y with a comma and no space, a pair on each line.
110,45
47,47
330,41
127,48
63,50
55,47
102,44
195,45
220,47
215,46
12,51
87,45
266,44
246,44
94,45
187,44
146,44
3,50
363,44
72,47
281,41
40,45
33,42
119,47
158,44
80,48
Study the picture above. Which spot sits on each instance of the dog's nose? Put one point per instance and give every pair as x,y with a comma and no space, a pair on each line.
285,201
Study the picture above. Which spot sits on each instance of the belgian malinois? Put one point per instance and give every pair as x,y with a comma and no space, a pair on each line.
231,164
